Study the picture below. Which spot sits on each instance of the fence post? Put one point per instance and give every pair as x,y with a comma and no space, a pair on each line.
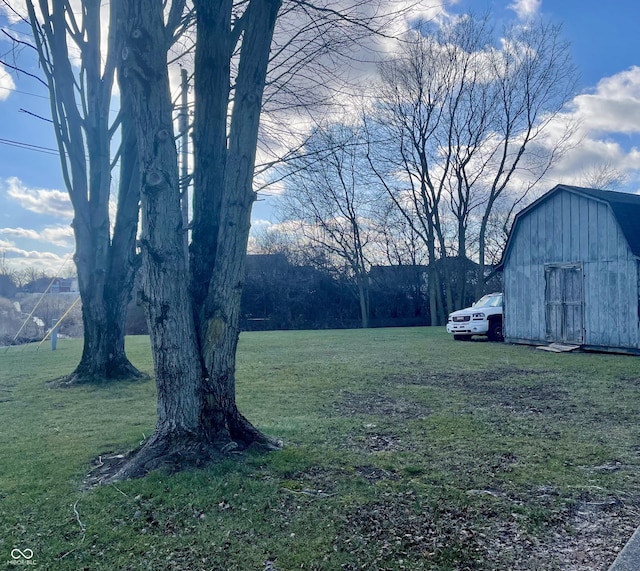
54,334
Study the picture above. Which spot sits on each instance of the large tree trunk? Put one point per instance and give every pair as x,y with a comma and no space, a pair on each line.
145,89
106,274
218,322
194,351
124,261
105,291
436,309
213,54
105,266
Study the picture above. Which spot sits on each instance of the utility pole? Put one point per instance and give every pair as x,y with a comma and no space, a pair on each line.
183,125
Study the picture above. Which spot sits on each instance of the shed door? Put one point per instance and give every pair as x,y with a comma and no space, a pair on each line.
564,303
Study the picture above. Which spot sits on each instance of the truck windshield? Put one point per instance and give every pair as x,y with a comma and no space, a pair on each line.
491,300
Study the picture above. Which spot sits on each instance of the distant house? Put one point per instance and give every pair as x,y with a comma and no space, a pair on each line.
52,285
64,285
571,271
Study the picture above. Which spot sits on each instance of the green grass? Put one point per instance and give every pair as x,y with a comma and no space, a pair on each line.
403,450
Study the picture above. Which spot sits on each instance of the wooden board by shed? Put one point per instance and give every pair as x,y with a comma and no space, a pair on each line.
571,270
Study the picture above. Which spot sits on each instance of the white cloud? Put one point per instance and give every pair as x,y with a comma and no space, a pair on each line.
593,154
266,186
525,9
13,11
20,259
6,83
607,137
261,224
55,235
429,11
20,233
40,200
58,235
614,104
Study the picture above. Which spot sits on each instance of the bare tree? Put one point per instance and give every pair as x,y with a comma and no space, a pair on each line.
327,195
432,104
193,318
398,242
460,124
79,74
603,176
5,269
536,80
8,278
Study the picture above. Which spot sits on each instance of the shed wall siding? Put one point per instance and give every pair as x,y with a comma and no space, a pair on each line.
569,228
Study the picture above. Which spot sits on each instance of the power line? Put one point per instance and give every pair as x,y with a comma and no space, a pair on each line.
29,147
13,90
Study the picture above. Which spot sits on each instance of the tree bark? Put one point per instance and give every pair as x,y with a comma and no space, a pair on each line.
144,81
106,266
218,322
363,297
194,327
106,274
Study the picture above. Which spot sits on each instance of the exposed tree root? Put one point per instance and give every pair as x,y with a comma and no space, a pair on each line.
169,453
175,452
244,433
122,371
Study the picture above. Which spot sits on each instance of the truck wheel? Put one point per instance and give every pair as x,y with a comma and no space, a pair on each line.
495,331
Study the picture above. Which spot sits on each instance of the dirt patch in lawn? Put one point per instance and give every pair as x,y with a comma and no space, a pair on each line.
513,389
317,480
373,440
327,480
398,532
374,474
372,437
377,404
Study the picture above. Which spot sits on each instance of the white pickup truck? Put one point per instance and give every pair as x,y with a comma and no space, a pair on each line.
484,317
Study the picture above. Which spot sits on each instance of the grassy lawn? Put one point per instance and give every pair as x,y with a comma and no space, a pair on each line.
403,450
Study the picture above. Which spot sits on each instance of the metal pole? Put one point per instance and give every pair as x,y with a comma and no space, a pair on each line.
54,334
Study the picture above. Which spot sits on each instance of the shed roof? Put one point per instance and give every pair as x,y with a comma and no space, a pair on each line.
624,206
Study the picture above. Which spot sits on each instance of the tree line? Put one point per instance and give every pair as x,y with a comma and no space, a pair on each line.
281,291
281,295
447,146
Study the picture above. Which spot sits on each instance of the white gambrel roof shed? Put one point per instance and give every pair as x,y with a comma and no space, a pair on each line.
571,271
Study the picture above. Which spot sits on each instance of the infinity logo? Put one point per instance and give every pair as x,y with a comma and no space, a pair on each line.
17,554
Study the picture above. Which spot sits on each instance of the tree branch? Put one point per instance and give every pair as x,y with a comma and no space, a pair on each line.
20,70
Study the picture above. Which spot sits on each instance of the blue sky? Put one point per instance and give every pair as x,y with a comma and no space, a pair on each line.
603,35
35,214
